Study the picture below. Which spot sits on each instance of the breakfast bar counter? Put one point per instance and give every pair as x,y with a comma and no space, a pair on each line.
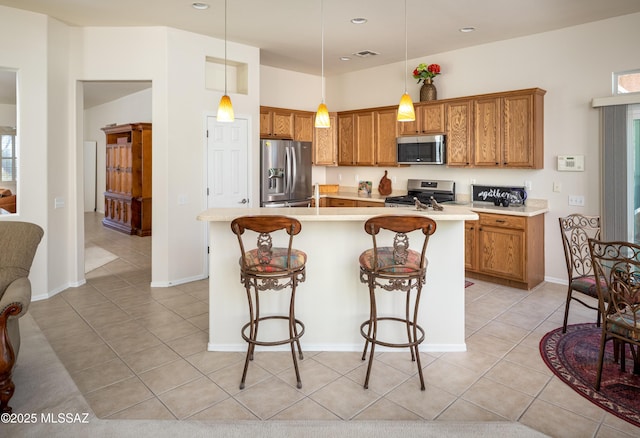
332,302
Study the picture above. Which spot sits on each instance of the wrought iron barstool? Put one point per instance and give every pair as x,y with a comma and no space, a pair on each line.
268,267
395,268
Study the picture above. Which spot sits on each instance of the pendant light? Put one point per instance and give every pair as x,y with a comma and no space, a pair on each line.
225,109
406,112
322,116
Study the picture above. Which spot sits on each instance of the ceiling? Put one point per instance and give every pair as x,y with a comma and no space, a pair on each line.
288,32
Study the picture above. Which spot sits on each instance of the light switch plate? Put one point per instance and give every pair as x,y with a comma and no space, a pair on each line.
571,163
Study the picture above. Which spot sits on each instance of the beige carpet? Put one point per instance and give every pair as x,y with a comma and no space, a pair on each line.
43,386
94,257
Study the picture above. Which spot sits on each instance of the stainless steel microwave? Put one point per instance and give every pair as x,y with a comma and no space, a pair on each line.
422,149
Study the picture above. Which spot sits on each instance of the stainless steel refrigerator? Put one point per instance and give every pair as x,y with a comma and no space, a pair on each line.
285,173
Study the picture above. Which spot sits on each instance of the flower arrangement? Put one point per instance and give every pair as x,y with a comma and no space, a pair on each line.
423,72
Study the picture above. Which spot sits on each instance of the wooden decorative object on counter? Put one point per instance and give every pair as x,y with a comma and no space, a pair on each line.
328,188
385,185
127,199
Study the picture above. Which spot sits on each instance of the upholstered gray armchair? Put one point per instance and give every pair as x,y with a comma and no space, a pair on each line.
18,244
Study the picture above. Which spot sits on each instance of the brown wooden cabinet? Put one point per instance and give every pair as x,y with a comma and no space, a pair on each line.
487,132
346,140
508,131
523,129
506,249
127,199
459,132
325,143
430,119
339,202
367,138
369,204
471,245
303,126
386,131
276,123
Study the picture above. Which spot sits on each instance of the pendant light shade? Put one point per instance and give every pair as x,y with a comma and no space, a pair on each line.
406,112
225,109
322,116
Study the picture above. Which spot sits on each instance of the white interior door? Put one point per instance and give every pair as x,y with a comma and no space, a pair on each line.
227,163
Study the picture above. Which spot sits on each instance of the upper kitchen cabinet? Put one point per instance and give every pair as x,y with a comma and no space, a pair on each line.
325,143
346,140
430,119
303,126
459,132
368,137
523,129
276,123
356,138
385,123
487,131
497,130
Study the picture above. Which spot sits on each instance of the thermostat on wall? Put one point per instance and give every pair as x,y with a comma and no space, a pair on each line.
571,163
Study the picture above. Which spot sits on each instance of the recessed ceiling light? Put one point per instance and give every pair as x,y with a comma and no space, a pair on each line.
200,6
345,58
359,20
467,29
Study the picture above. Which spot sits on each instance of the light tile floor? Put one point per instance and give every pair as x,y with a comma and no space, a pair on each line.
138,352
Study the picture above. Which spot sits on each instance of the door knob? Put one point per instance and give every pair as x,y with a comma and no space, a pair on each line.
244,201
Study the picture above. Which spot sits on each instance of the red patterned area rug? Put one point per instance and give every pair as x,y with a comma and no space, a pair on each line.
573,357
467,283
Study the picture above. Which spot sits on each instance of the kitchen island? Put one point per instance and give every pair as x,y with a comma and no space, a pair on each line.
332,302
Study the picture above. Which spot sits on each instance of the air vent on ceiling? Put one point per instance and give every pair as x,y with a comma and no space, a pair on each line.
366,53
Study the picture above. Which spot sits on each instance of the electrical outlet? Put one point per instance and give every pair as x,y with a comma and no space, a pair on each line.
527,185
576,200
557,187
339,177
357,178
472,181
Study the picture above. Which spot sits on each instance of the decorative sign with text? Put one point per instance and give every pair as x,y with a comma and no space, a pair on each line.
515,195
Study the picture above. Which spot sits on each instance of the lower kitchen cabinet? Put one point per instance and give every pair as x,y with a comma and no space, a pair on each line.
339,202
506,249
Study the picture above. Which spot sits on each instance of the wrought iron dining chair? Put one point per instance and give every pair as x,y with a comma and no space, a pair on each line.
576,230
616,266
395,268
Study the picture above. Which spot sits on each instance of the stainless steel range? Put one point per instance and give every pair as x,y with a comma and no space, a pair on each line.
442,191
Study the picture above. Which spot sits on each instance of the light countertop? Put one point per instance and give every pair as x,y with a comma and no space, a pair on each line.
533,207
336,214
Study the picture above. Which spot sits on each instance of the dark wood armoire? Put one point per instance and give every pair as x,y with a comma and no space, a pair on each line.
127,199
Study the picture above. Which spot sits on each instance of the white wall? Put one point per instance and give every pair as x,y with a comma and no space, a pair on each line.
29,58
133,108
574,65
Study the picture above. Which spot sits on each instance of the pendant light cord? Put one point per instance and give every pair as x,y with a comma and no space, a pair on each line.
405,46
225,46
322,46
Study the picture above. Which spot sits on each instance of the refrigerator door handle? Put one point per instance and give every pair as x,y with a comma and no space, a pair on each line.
294,170
287,164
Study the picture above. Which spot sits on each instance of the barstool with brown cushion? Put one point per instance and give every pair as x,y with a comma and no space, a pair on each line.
395,268
268,267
